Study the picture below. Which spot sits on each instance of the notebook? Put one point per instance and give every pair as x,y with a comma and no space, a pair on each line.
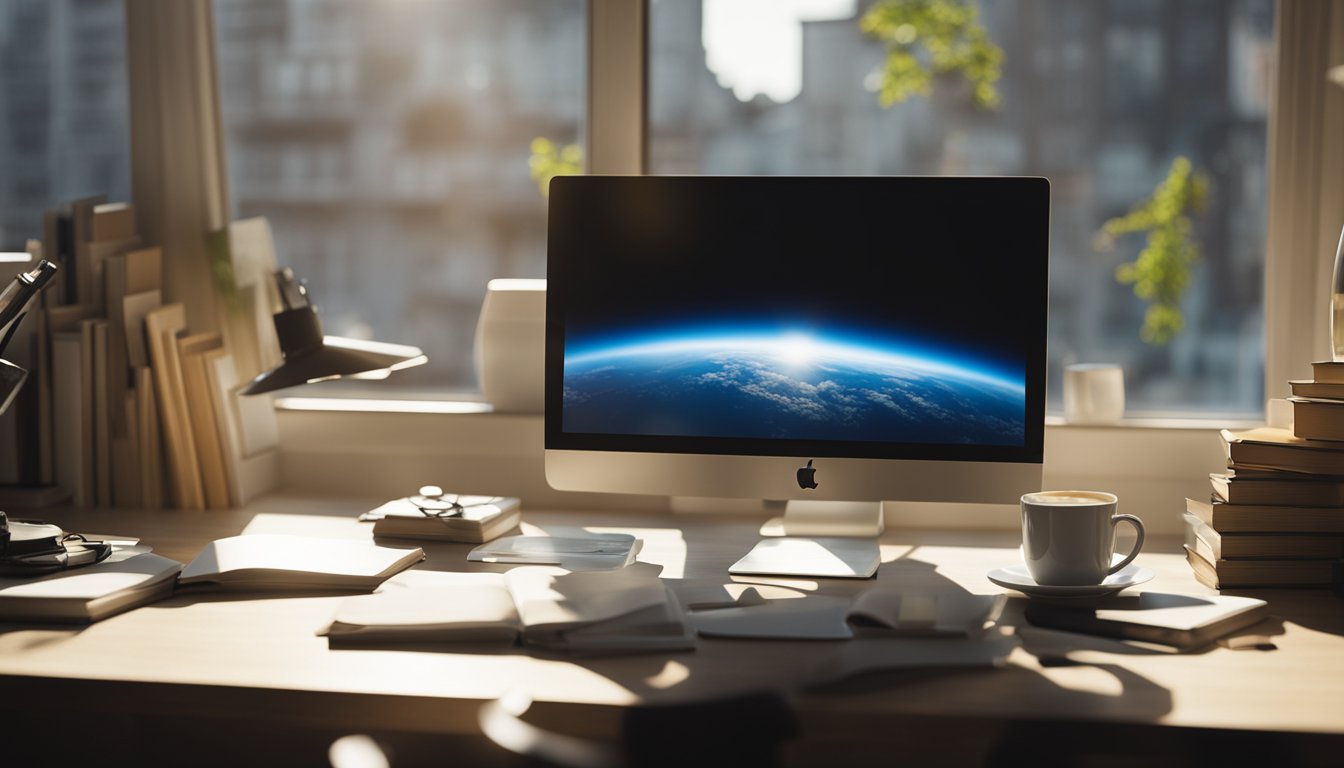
282,562
481,519
1182,621
126,579
541,606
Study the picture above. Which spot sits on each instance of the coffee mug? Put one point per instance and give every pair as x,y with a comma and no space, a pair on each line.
1068,536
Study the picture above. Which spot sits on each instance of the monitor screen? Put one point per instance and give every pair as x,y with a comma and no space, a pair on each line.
866,317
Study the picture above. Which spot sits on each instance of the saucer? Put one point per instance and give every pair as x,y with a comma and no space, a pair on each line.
1019,578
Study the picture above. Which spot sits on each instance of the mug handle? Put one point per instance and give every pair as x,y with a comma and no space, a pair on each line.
1138,542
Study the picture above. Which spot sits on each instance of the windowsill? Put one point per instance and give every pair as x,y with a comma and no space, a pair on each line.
374,448
1164,422
380,405
470,403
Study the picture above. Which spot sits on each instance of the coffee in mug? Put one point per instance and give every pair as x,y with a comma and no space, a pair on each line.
1068,536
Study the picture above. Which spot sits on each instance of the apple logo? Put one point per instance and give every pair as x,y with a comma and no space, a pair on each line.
807,476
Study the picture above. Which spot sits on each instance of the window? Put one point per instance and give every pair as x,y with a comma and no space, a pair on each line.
64,126
388,143
1102,98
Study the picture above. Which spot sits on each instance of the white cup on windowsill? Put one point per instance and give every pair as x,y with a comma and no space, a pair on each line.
1094,393
511,345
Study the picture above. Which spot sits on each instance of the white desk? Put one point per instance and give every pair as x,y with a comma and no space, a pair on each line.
240,675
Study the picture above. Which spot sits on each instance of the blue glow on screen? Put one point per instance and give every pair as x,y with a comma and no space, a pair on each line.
746,382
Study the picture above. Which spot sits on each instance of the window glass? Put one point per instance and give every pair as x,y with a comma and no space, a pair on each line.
389,144
1109,100
64,124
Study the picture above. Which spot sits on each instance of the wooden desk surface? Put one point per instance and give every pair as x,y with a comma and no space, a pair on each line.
226,657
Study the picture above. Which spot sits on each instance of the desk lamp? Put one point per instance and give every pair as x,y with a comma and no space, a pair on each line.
311,357
14,300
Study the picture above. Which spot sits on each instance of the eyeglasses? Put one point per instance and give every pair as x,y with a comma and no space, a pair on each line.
433,502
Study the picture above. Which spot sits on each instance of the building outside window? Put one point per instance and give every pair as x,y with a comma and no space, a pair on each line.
388,143
1099,97
64,122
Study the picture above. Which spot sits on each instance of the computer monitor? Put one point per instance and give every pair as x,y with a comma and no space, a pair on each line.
823,338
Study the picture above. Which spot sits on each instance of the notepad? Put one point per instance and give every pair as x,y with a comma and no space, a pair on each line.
125,580
590,551
281,562
1182,621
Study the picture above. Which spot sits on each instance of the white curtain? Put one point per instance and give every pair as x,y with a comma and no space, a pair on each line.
1306,189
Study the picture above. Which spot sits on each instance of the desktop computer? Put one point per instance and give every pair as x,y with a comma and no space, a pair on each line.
833,339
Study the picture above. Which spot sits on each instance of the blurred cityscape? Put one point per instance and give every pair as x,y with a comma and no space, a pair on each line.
64,131
387,142
1099,97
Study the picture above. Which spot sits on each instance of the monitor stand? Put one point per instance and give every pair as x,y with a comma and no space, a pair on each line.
858,519
829,539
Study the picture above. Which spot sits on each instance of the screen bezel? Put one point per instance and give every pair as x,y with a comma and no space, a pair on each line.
562,235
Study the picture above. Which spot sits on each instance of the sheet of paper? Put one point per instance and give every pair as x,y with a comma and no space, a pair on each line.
816,617
709,594
446,606
949,611
549,597
862,657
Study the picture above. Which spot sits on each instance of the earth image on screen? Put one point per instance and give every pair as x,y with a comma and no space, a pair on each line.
788,386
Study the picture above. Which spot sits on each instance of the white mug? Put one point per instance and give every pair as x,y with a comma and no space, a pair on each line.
1094,393
511,345
1068,536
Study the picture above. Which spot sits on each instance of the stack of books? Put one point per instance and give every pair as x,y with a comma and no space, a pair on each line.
1276,516
1318,404
123,405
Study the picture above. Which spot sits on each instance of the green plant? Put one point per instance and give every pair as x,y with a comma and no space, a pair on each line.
927,37
1161,273
550,160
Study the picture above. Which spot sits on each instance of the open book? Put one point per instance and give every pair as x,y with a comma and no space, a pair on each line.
627,610
126,579
880,611
280,562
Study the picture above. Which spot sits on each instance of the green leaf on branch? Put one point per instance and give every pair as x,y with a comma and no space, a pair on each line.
549,160
1161,273
928,37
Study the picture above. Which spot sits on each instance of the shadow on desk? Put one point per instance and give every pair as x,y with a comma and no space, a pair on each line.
1300,606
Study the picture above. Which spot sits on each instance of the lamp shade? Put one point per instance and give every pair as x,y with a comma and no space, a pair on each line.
311,357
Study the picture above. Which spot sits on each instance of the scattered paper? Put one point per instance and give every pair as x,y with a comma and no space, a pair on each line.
812,618
861,657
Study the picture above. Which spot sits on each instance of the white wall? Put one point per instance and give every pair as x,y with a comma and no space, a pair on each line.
383,455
